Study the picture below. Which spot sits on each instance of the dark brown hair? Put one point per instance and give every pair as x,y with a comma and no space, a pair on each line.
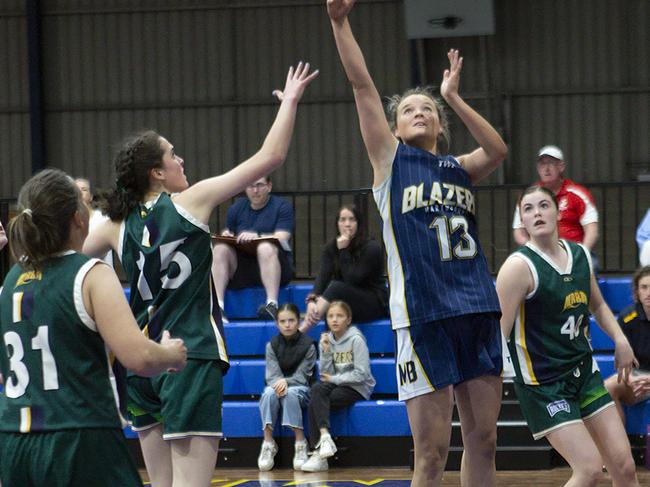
291,308
137,155
640,273
46,204
533,189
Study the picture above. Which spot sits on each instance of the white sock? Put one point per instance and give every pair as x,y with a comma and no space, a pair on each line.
269,301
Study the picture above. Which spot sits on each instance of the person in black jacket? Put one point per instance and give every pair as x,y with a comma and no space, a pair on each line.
352,270
635,322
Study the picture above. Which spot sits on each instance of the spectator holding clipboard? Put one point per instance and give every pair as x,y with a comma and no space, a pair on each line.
234,266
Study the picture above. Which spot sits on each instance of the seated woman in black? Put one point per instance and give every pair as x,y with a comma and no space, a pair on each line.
635,322
352,270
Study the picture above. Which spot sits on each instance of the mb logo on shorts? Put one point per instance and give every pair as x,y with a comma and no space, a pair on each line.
407,372
557,406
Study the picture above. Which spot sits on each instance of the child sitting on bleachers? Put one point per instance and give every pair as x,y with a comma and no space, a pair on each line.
290,361
345,379
635,323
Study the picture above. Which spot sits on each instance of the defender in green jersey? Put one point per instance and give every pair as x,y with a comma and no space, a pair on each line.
59,310
159,228
546,290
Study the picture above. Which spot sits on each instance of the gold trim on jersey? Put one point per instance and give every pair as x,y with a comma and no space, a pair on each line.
25,419
17,307
221,344
527,372
27,277
399,258
415,353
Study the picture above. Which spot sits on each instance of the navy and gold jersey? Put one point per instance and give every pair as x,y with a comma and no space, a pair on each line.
167,256
54,362
436,266
549,337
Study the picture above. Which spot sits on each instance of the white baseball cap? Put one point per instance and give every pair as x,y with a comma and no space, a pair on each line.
551,150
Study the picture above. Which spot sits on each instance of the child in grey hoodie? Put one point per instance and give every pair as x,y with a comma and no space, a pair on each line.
345,379
290,363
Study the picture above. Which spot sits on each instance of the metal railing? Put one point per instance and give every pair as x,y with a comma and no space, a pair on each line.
621,207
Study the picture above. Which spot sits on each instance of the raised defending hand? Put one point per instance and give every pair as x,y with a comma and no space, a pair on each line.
451,76
176,347
339,9
297,81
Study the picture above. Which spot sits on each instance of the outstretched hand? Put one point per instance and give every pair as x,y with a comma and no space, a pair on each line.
339,9
297,81
451,76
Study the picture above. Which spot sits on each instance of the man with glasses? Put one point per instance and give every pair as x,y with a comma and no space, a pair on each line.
260,214
578,214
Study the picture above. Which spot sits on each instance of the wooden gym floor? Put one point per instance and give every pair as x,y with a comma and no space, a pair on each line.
388,477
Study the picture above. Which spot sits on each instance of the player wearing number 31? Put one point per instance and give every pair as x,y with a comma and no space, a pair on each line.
443,304
59,311
547,289
159,228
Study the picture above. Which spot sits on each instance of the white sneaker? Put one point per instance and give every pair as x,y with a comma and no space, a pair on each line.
300,455
265,461
327,447
315,464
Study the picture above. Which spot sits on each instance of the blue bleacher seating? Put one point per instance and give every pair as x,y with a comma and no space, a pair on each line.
246,376
637,418
243,303
600,340
249,338
617,292
377,417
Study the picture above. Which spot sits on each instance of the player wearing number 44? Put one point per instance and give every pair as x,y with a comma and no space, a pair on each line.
547,289
159,228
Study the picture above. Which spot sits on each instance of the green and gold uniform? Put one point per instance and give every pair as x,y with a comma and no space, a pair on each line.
167,255
59,423
557,381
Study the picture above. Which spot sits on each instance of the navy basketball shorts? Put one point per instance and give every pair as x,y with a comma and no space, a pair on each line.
434,355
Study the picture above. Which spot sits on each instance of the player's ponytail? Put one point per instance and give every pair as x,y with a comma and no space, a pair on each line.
135,158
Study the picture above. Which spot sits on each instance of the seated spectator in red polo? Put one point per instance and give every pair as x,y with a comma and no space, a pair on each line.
260,214
578,214
635,322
